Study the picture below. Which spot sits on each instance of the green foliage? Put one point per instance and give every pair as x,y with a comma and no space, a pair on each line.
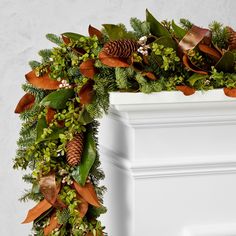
220,34
34,64
119,31
147,86
54,39
221,79
124,77
58,99
186,24
156,28
45,54
178,31
169,59
141,28
81,172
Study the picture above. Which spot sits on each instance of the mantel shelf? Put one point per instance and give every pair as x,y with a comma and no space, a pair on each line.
124,98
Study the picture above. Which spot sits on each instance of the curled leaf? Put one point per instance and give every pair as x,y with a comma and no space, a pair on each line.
230,92
49,188
226,63
150,75
65,39
88,193
43,82
86,93
192,67
83,206
213,53
36,211
112,61
186,90
53,224
25,103
50,114
94,32
87,68
193,37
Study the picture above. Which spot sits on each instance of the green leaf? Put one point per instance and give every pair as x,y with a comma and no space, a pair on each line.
116,32
226,63
166,42
195,77
179,32
81,172
58,99
156,28
85,117
42,124
73,36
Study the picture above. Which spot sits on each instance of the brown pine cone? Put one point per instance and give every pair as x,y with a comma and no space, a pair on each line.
232,38
121,48
74,149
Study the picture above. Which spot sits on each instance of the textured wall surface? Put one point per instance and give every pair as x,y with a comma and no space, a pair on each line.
24,23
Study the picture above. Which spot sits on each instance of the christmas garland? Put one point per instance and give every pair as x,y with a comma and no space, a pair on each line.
69,89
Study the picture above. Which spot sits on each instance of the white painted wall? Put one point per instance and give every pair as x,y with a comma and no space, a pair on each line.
23,24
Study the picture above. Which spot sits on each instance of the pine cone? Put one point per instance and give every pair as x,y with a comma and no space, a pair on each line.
121,48
232,38
74,149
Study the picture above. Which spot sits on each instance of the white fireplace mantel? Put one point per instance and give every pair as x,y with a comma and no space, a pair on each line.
170,164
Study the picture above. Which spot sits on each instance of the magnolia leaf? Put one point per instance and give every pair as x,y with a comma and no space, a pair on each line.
150,75
48,187
25,103
41,125
156,28
58,99
81,172
50,115
53,224
186,90
87,68
95,32
230,92
85,117
179,32
43,82
226,63
86,93
88,193
83,207
65,39
195,77
193,37
191,67
112,61
36,211
167,42
72,36
213,53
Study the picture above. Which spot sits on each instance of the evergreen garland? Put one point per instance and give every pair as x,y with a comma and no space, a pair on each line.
69,89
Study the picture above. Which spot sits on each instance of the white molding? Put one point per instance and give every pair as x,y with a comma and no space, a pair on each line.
173,109
157,168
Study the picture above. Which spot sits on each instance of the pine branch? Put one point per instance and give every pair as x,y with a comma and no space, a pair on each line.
34,64
220,35
140,28
54,39
186,24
